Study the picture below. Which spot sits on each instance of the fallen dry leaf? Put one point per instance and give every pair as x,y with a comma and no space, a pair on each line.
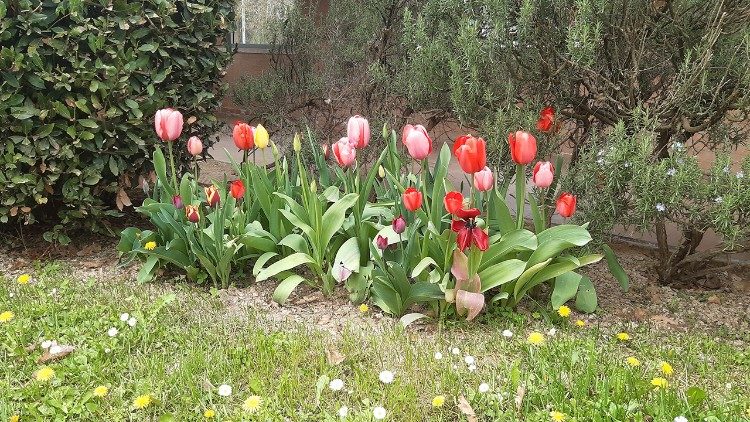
61,351
333,356
520,393
466,409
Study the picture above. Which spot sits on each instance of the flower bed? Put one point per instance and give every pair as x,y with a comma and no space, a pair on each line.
420,248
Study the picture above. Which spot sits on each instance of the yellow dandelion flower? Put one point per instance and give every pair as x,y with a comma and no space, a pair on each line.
659,382
7,316
363,308
438,401
45,373
666,369
23,279
557,416
536,338
209,413
150,246
14,418
633,361
623,336
101,391
252,404
563,311
580,323
142,402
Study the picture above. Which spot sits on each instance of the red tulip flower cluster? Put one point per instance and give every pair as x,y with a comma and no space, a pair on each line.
465,227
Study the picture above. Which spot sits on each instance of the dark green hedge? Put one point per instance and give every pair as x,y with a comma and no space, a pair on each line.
80,81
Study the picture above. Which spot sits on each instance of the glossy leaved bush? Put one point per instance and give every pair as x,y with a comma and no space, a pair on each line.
79,85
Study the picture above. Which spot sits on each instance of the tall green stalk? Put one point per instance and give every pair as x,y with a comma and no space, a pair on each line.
520,194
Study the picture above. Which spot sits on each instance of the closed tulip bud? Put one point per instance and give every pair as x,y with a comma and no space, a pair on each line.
344,153
385,130
381,172
326,151
522,147
168,124
261,137
194,146
314,186
192,214
471,153
212,195
417,141
381,242
237,189
483,180
297,143
412,199
177,202
453,202
566,205
244,136
543,174
399,224
358,131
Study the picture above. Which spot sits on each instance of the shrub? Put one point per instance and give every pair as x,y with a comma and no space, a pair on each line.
79,85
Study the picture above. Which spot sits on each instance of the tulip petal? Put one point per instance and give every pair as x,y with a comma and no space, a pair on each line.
469,303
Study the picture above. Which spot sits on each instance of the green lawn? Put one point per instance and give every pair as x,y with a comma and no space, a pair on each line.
185,344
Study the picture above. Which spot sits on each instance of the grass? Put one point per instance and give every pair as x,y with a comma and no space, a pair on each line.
185,344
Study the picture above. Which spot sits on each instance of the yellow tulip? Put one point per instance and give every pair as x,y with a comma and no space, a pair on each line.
297,143
261,137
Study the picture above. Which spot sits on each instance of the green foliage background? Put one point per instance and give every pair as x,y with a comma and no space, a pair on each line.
80,82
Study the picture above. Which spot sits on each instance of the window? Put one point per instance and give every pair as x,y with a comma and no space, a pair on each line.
258,19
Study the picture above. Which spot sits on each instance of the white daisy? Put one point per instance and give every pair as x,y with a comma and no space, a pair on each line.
455,351
379,412
55,349
336,384
132,321
343,411
672,171
484,387
124,317
438,355
469,359
472,368
386,377
507,333
739,175
552,331
112,332
225,390
661,207
680,419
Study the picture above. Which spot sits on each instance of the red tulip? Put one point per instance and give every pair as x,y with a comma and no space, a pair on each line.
344,153
412,199
522,147
469,233
244,136
381,242
191,213
566,205
546,119
358,131
471,153
168,124
237,189
483,180
212,195
543,174
417,141
194,146
399,224
177,201
453,202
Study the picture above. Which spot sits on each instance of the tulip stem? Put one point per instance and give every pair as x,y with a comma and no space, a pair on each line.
425,174
520,195
174,173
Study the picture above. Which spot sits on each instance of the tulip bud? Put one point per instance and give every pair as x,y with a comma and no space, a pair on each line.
566,205
261,137
237,189
399,224
381,242
483,180
417,141
453,202
244,136
326,151
168,124
385,130
358,131
543,174
522,147
192,214
471,153
412,199
194,146
381,172
212,195
297,143
314,186
177,202
275,149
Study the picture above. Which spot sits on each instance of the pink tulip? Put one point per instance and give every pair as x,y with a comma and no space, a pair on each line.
168,124
344,153
381,242
417,141
543,174
194,146
522,147
483,180
399,224
358,131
